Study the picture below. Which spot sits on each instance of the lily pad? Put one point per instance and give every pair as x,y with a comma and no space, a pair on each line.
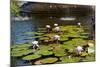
20,53
69,60
44,52
63,38
58,51
31,57
49,60
67,46
84,54
76,42
45,47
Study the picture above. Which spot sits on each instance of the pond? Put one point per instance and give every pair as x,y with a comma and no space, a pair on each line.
18,28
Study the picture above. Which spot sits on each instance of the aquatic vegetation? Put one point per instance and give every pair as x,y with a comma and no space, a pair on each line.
69,60
49,60
31,57
70,37
58,51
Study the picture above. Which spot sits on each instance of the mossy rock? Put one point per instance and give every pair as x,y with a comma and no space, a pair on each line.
58,51
31,57
49,60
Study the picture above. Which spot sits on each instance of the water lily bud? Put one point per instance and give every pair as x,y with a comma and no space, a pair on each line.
56,37
55,24
48,26
79,23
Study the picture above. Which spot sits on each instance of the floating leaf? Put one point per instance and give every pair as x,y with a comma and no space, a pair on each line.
31,57
44,52
45,47
84,54
58,51
49,60
69,60
67,46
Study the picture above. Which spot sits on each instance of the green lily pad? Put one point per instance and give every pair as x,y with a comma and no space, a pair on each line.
21,46
67,46
17,54
44,52
69,60
49,60
31,57
45,47
84,54
21,52
58,51
76,42
90,58
63,38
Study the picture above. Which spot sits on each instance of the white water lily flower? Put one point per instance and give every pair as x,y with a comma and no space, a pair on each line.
90,44
79,23
35,43
79,49
57,28
56,37
55,24
48,26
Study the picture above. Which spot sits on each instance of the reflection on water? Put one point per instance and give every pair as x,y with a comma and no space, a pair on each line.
17,30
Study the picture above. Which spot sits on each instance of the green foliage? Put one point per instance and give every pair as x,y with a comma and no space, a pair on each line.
15,7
